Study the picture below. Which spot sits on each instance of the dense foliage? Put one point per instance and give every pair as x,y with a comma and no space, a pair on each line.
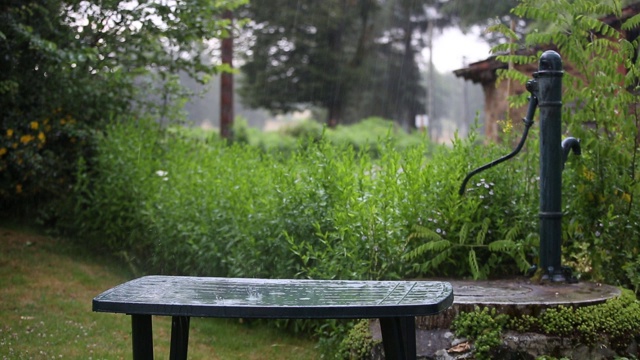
601,229
615,322
66,67
326,205
324,211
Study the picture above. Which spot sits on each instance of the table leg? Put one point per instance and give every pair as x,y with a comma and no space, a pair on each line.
399,337
179,337
142,337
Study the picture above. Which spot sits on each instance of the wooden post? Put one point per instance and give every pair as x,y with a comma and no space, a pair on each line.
226,85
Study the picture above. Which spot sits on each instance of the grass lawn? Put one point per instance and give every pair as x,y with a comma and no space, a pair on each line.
46,288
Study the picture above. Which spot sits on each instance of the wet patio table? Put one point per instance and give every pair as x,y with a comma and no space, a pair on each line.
395,303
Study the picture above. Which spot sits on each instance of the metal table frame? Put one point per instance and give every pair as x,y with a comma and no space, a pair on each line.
395,303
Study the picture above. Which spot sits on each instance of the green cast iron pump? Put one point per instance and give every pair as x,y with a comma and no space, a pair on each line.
546,93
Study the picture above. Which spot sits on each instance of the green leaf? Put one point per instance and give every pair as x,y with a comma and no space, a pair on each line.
473,264
502,246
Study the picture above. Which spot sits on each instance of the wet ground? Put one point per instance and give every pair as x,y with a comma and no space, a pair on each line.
517,296
521,291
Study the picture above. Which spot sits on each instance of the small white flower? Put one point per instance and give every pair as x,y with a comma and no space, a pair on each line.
162,173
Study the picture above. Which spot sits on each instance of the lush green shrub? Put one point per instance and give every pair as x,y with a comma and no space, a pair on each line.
489,231
484,327
66,70
358,343
369,136
601,237
38,161
197,205
615,322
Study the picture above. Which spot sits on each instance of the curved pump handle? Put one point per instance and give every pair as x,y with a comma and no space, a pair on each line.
532,87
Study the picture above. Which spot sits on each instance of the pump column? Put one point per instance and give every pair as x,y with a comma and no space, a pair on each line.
549,78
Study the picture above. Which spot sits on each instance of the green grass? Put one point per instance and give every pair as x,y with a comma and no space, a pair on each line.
46,288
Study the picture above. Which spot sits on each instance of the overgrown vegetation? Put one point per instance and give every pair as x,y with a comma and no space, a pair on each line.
615,322
176,205
484,327
324,203
70,66
601,98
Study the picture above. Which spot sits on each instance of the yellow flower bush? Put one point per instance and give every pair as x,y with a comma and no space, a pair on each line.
30,160
25,139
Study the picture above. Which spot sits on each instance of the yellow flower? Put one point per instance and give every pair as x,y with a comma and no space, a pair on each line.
41,137
14,145
19,189
25,139
589,175
63,121
3,151
34,125
9,132
626,197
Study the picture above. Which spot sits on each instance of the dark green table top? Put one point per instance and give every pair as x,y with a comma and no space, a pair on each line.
270,298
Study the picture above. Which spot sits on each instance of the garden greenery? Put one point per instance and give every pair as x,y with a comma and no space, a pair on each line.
69,66
183,205
317,208
331,211
601,236
615,322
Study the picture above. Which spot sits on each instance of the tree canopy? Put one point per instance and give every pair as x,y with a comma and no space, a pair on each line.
329,53
67,66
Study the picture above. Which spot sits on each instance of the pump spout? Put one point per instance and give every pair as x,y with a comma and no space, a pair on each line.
569,144
532,86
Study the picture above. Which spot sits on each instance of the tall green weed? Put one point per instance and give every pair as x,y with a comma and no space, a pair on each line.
199,206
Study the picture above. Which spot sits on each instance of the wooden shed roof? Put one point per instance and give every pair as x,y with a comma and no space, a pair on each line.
484,71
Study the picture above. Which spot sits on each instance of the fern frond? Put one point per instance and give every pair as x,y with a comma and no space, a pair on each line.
421,232
527,11
504,246
504,48
534,39
503,29
521,261
514,232
432,246
483,231
631,23
511,74
440,258
463,234
473,264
